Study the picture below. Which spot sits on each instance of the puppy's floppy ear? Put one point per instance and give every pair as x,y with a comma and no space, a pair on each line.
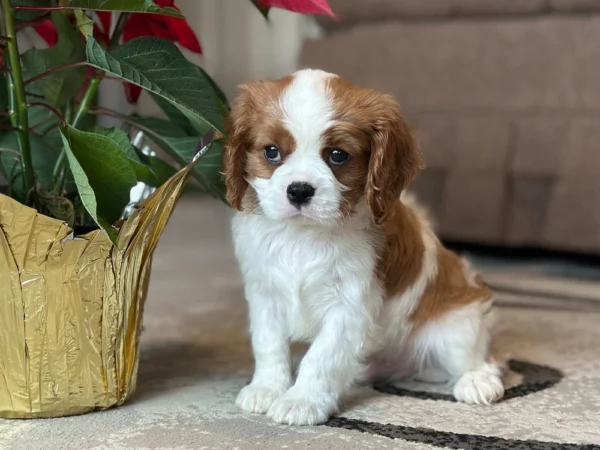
237,127
395,158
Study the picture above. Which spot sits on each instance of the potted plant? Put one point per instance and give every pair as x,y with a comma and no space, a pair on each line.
76,236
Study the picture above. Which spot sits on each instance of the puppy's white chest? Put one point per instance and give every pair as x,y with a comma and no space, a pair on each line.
301,268
286,258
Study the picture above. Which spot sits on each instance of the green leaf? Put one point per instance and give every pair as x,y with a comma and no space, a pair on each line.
264,10
171,111
102,173
161,169
158,66
207,171
159,126
3,96
39,117
22,15
138,6
182,148
10,164
176,116
143,172
84,23
220,94
57,205
43,157
59,87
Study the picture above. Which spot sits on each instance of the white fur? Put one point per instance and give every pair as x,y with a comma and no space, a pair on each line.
305,283
310,277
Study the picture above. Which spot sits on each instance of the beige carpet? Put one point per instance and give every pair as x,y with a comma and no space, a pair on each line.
195,358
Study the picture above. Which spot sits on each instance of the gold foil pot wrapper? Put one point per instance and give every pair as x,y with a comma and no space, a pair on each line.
71,308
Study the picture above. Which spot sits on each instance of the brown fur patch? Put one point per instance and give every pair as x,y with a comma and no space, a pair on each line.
401,254
393,154
253,123
268,131
449,290
401,263
356,142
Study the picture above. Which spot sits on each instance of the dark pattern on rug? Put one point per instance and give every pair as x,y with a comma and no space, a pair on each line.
450,440
535,378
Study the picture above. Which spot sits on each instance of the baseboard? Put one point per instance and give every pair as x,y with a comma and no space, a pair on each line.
525,253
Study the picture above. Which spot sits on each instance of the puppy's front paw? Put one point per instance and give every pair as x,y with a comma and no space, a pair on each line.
257,398
479,387
295,408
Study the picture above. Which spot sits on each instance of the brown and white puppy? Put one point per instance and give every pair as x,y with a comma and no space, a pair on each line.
333,255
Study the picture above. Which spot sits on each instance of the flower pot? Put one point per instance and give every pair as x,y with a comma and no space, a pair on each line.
71,308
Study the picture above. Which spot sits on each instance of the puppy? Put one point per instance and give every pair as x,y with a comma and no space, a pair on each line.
333,255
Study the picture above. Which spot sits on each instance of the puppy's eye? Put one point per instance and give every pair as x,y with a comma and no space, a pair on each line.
272,154
338,157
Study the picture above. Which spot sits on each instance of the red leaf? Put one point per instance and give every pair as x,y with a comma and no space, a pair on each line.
102,29
132,92
136,26
166,3
172,28
159,29
183,34
47,32
300,6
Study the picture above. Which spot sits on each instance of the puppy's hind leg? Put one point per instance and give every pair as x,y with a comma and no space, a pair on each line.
459,344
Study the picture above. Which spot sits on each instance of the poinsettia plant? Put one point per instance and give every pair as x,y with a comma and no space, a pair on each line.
54,154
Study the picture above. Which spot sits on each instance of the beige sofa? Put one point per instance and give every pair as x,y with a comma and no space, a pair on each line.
505,98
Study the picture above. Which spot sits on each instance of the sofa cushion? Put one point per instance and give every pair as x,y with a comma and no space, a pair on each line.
580,6
476,66
352,11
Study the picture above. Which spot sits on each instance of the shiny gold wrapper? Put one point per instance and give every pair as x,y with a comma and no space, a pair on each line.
71,309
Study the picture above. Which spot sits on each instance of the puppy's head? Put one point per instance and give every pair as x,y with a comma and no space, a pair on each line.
312,146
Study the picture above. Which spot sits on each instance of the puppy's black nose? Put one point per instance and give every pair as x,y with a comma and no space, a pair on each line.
299,194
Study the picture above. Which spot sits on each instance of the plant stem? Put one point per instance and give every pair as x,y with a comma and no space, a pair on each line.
31,94
51,71
119,27
40,8
29,23
51,109
87,99
69,111
17,98
10,150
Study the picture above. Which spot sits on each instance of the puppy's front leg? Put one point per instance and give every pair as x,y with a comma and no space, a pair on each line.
270,345
328,370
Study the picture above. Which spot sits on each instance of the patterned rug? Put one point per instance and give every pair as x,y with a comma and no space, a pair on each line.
196,357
